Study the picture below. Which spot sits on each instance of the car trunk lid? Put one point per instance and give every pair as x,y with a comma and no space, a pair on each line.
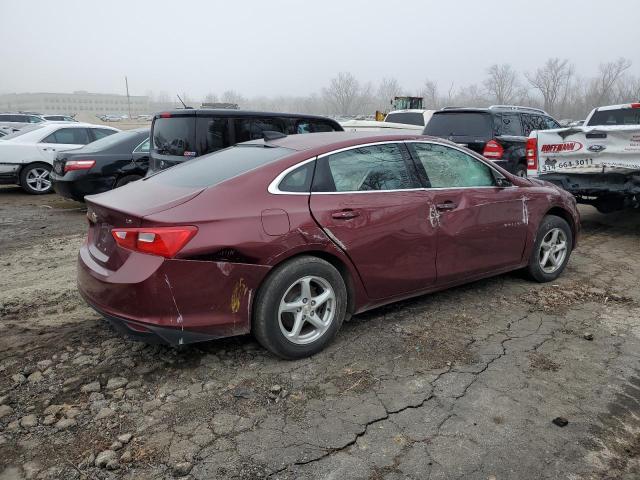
127,207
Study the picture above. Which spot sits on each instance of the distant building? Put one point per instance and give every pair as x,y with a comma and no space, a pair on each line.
74,103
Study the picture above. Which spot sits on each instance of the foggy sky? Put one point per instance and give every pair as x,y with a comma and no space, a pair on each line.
294,47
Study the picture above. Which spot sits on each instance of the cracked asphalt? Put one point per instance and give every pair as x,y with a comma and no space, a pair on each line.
463,384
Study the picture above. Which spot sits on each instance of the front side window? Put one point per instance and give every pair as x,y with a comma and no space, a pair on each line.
450,168
34,119
550,123
143,147
69,136
374,167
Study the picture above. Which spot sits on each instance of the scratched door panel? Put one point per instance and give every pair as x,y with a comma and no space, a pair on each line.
484,232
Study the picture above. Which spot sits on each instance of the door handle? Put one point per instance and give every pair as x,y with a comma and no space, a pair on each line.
345,214
446,206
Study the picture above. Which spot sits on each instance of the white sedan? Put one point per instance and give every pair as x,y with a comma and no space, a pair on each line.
26,156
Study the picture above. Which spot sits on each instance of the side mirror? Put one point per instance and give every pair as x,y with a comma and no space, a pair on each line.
502,182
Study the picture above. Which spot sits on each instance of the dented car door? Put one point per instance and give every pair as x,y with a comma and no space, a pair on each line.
481,226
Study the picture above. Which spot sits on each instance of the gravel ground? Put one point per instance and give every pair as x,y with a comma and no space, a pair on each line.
462,384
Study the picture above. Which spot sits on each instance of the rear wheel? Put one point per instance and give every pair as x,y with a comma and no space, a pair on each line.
551,250
300,308
34,178
127,179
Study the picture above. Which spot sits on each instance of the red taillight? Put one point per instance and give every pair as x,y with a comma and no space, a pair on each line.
493,150
78,165
165,115
635,105
531,150
162,241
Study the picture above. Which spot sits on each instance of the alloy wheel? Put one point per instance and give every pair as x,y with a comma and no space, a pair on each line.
38,179
307,310
553,250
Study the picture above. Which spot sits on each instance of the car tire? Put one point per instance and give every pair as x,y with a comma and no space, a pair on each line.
551,250
286,300
127,179
35,178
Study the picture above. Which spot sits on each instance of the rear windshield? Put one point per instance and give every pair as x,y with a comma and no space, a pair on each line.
22,131
175,136
120,139
623,116
219,166
459,124
411,118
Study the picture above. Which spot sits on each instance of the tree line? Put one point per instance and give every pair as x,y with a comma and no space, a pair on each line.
554,86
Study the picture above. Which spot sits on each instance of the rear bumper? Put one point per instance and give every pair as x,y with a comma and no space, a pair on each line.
75,185
176,301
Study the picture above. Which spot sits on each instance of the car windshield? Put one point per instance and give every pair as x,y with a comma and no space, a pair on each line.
108,141
622,116
459,124
410,118
22,131
219,166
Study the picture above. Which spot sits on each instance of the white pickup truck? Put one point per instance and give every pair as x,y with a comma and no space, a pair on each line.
599,162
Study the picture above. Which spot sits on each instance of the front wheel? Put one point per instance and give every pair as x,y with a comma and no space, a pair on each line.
34,179
551,250
300,308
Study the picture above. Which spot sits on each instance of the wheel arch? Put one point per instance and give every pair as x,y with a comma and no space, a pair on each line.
567,217
353,290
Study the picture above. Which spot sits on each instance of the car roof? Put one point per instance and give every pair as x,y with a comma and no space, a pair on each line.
329,141
411,110
228,112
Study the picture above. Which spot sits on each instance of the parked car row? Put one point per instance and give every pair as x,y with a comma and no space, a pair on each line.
27,155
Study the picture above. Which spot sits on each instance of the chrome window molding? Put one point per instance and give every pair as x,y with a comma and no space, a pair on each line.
275,190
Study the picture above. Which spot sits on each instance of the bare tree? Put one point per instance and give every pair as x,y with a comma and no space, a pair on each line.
387,90
210,98
502,83
602,87
552,80
342,93
430,94
231,96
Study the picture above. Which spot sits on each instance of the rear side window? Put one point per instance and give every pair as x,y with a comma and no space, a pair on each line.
175,136
533,122
252,128
307,125
33,119
219,166
450,168
299,180
70,136
411,118
508,124
212,134
375,167
460,124
99,133
623,116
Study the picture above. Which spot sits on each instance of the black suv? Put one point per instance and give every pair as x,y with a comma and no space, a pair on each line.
499,132
180,135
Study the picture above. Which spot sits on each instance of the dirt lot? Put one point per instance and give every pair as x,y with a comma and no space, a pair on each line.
463,384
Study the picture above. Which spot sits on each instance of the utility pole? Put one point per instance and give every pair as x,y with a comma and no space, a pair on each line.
126,82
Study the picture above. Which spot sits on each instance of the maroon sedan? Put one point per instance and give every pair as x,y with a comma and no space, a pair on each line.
286,238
